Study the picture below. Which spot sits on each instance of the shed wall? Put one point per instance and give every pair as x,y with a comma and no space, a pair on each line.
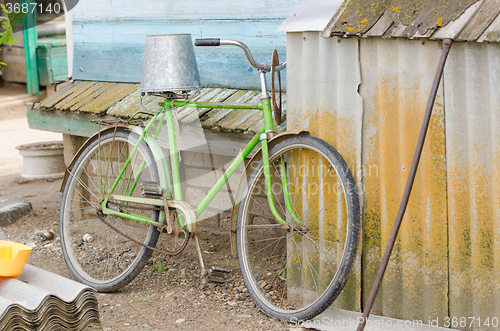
109,36
445,263
472,91
323,78
397,76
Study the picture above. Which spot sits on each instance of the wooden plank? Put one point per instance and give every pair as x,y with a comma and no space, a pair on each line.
452,29
71,100
58,99
378,30
492,33
132,103
222,143
113,94
486,14
399,31
188,9
240,96
241,120
63,122
15,71
427,34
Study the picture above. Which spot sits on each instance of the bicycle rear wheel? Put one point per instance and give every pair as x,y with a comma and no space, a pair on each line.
96,254
298,273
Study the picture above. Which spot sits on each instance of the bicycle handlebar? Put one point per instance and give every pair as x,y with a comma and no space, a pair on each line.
219,42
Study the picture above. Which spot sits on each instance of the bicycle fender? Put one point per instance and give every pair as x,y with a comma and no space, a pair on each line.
249,167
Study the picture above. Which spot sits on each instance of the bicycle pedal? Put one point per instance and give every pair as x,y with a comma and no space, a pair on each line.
216,275
150,189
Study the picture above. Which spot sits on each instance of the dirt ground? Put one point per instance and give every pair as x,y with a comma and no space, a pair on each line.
175,298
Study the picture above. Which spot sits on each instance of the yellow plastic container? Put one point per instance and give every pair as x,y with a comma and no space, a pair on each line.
13,257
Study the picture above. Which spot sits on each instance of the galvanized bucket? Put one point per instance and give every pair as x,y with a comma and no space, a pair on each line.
169,64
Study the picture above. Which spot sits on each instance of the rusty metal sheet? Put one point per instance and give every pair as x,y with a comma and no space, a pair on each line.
397,76
322,82
472,93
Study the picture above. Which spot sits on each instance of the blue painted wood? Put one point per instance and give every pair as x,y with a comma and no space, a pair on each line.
130,10
113,51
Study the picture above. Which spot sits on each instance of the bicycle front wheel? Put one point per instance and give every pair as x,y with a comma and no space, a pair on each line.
299,272
96,254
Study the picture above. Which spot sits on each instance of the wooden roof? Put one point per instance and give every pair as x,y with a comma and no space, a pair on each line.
120,100
460,20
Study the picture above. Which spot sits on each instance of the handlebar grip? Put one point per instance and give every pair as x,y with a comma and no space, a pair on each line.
207,42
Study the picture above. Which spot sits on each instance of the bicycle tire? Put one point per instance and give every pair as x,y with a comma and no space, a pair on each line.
95,254
296,275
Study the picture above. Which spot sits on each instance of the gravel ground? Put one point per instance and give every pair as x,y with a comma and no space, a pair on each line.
168,294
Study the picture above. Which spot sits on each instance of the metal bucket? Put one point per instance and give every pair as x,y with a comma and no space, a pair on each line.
169,64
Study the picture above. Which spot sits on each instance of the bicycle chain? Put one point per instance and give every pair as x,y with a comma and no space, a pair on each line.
153,208
102,218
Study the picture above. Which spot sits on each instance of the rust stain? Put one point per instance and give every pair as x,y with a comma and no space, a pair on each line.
338,131
417,272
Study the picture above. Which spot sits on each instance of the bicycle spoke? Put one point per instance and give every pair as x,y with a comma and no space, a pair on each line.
299,265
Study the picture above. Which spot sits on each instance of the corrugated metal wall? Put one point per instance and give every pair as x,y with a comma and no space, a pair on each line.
397,76
445,262
325,77
472,92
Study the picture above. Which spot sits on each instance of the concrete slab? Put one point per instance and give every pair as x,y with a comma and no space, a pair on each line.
342,320
11,209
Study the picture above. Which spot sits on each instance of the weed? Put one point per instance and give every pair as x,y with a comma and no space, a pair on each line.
158,267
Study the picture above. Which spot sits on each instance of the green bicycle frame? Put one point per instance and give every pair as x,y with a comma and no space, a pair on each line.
165,115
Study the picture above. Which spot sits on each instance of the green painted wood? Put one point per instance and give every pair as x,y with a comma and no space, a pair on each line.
52,60
30,37
63,122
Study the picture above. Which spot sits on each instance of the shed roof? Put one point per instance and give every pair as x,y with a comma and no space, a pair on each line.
460,20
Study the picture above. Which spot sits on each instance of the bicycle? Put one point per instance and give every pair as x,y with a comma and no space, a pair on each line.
298,223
